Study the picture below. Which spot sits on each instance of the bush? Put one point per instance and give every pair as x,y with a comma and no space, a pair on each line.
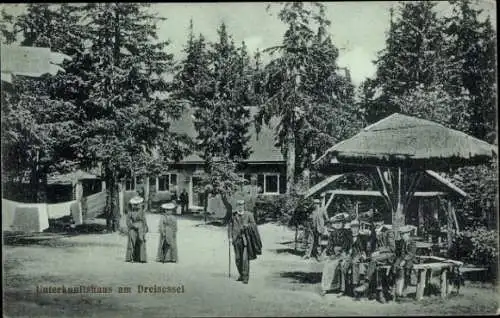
287,209
269,207
479,247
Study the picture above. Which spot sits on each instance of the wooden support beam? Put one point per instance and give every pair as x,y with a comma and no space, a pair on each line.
455,218
329,200
449,224
379,194
444,282
421,283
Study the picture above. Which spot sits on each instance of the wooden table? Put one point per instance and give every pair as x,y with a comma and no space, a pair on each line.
424,274
424,246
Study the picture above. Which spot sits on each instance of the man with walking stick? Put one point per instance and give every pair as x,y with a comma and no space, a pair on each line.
244,235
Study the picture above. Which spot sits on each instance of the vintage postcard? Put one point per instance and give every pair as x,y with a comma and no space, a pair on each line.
249,159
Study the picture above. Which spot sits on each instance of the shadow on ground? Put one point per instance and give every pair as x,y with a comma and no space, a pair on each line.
303,277
289,251
217,223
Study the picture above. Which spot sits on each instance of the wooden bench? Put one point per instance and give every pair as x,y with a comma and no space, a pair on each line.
424,273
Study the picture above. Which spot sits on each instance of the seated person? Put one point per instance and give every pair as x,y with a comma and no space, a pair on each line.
338,245
405,252
356,255
383,253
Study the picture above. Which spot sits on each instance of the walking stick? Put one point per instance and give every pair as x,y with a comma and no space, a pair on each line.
229,251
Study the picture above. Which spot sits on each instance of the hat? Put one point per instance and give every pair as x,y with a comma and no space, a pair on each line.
338,218
240,202
354,223
405,229
168,206
136,200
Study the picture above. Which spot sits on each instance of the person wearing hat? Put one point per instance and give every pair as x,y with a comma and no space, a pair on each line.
243,234
318,218
383,254
167,248
405,251
137,229
356,255
338,246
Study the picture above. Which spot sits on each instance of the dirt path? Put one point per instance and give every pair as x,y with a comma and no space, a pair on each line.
281,284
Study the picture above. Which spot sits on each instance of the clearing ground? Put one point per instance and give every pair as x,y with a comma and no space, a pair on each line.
281,284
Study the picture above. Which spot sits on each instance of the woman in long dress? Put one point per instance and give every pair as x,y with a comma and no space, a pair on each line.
137,229
167,249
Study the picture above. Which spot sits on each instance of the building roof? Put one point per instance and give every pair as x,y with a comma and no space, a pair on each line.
29,61
71,177
262,145
406,141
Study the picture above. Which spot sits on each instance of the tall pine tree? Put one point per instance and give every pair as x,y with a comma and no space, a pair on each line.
125,117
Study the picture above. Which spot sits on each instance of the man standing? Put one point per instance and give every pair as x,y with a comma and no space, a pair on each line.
338,245
243,234
184,199
318,219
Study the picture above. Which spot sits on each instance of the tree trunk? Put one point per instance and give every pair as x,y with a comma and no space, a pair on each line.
290,159
112,206
296,234
229,208
306,178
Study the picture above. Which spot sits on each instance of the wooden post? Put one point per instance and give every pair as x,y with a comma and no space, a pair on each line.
400,282
444,282
296,234
455,219
420,217
146,193
121,197
449,224
422,278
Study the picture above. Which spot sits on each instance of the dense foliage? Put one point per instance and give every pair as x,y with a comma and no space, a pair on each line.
478,247
113,105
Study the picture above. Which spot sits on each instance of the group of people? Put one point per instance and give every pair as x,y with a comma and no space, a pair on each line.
352,259
137,227
242,233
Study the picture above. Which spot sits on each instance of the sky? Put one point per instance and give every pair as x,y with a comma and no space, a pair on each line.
358,28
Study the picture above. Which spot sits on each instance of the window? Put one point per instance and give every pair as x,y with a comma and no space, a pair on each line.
152,183
269,183
167,182
130,183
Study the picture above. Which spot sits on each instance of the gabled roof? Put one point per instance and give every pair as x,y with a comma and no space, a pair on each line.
262,146
29,61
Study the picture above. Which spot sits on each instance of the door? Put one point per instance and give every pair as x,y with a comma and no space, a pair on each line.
197,198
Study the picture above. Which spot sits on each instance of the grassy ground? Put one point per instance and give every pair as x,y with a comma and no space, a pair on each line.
281,284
